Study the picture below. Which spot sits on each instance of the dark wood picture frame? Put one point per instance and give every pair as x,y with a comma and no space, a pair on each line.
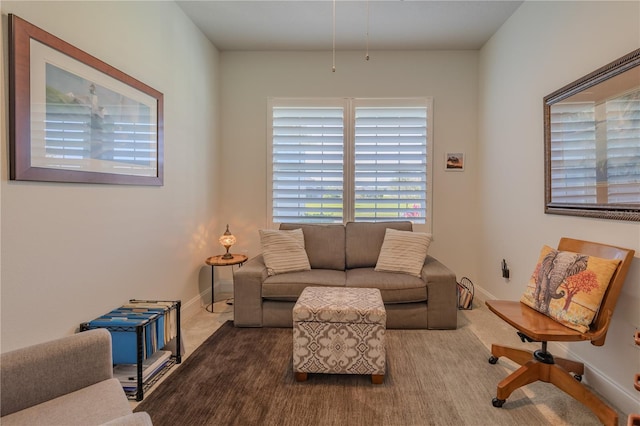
610,82
119,142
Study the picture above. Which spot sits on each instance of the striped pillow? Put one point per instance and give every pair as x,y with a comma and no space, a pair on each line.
283,251
403,251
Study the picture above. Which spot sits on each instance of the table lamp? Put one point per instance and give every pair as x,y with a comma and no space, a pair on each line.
227,240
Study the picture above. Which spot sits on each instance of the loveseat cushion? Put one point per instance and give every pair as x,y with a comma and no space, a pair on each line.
394,287
324,244
363,241
93,405
289,286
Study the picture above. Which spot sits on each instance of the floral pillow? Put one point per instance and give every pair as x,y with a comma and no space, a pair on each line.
569,287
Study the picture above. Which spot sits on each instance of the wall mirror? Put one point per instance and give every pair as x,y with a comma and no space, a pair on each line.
592,144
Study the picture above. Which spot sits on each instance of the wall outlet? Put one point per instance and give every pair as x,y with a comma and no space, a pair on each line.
505,269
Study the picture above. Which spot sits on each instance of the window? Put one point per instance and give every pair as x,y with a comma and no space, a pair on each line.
594,151
338,160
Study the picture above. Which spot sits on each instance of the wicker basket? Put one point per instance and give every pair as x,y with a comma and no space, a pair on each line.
465,293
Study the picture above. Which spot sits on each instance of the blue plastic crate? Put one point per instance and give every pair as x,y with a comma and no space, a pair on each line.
151,312
124,336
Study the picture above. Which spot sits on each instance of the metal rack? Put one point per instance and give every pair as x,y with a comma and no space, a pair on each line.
140,329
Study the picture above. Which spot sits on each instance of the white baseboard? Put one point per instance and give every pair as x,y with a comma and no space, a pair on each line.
485,294
191,307
194,305
624,401
612,391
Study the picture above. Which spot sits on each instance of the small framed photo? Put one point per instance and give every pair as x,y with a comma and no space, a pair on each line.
454,162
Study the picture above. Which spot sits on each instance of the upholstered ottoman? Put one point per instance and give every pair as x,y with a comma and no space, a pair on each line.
340,331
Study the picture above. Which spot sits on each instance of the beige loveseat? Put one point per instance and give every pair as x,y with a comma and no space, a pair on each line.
346,255
68,381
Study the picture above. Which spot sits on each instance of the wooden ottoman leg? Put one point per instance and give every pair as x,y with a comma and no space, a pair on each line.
377,379
300,377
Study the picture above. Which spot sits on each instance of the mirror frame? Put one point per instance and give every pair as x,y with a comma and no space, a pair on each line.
629,212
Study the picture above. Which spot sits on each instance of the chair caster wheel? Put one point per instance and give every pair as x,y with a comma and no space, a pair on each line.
578,377
498,402
493,359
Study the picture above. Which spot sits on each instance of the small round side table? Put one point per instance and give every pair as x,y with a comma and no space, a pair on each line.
213,261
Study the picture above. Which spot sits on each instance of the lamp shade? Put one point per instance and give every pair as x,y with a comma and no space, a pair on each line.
227,240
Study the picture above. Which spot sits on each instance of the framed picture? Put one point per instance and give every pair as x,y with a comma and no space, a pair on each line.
591,144
74,118
454,161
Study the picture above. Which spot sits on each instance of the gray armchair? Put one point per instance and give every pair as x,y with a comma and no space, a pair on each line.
68,381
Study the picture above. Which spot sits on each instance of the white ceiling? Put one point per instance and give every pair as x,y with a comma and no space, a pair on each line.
308,24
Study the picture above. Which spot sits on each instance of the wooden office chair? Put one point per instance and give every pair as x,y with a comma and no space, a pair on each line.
537,327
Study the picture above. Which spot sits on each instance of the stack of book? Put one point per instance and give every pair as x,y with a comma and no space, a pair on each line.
127,374
465,293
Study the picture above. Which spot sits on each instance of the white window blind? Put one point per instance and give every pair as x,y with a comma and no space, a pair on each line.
390,163
349,159
74,136
573,153
595,151
307,164
623,149
89,127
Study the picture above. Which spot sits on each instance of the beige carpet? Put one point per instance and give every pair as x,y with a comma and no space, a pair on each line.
243,376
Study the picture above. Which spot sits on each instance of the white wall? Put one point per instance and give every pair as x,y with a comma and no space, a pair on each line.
71,252
249,78
542,47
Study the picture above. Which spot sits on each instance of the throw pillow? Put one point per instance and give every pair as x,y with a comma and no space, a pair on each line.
283,251
403,251
569,287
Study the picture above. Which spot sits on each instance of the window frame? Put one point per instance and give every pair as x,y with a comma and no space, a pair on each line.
349,105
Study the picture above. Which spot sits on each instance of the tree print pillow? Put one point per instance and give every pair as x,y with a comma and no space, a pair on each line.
569,287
